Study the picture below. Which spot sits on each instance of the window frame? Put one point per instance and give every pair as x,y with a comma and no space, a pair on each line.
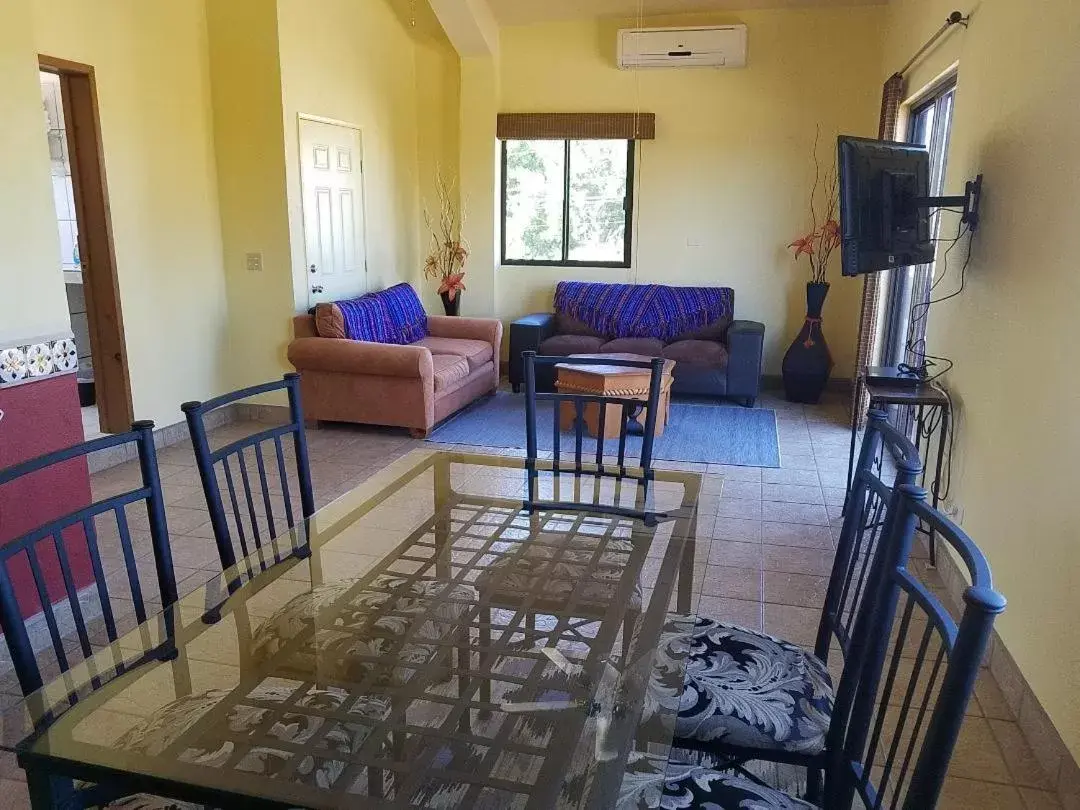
565,260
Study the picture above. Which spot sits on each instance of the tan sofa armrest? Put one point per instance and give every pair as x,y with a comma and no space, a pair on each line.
360,357
488,330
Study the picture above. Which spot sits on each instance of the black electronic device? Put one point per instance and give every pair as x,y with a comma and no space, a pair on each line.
895,376
885,205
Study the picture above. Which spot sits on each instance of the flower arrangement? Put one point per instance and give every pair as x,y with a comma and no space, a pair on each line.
449,252
824,235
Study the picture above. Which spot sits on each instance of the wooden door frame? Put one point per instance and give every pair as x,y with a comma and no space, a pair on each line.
108,350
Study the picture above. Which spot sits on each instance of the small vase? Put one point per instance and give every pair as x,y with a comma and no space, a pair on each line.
451,305
808,362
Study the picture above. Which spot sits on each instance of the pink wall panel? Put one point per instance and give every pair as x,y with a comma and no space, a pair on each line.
40,417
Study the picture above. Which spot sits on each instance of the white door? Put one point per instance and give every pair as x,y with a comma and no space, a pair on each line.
332,179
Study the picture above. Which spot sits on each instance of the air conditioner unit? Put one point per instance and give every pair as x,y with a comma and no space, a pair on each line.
717,46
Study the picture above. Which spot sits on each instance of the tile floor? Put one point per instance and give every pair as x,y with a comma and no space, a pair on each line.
766,538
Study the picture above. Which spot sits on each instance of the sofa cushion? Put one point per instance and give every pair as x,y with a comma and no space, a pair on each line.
366,318
705,353
649,347
569,325
476,352
717,330
563,345
407,314
329,322
449,369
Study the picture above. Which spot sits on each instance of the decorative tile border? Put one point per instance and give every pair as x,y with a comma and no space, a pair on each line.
42,358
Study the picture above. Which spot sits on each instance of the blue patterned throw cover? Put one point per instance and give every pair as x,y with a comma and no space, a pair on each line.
389,316
366,318
406,313
643,310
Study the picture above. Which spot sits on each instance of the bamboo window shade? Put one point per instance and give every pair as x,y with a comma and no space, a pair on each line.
576,126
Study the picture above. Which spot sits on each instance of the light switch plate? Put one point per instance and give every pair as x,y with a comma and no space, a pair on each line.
254,262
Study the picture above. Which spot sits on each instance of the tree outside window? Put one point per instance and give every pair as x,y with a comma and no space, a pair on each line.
567,202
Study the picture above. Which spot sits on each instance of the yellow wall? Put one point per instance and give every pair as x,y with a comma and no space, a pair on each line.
356,61
249,140
724,187
154,96
32,299
1017,120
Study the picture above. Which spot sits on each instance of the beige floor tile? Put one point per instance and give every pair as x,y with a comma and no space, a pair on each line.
794,560
991,699
811,513
746,490
1039,799
739,508
734,473
798,461
735,555
802,535
799,625
805,478
737,530
732,583
1019,758
802,590
742,612
977,755
792,493
968,794
13,795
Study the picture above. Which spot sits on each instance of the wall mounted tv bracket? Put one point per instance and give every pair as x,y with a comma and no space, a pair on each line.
969,201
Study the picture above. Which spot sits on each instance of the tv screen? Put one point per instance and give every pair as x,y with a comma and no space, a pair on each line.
881,224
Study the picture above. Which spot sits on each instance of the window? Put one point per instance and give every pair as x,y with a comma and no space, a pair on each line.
567,202
929,125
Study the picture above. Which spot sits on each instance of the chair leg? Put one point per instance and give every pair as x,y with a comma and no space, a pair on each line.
813,785
516,387
485,644
418,433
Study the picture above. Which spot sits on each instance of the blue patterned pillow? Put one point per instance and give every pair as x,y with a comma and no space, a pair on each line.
367,318
407,316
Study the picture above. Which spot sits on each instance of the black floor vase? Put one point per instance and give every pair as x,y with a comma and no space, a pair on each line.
451,307
808,361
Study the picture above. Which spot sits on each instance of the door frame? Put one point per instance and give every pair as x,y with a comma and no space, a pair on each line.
108,349
336,122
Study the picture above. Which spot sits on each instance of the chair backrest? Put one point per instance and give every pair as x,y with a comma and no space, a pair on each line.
256,511
588,417
59,568
866,520
920,670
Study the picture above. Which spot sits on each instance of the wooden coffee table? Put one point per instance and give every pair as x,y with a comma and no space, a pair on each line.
611,381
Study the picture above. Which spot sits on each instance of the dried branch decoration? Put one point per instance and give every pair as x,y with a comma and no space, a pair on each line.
449,252
824,236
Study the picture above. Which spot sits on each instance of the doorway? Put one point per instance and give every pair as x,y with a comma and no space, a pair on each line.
332,180
87,256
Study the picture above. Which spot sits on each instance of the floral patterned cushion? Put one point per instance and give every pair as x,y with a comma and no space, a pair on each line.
652,783
534,568
744,688
361,626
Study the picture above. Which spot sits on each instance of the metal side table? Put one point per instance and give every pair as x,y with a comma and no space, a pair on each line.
925,399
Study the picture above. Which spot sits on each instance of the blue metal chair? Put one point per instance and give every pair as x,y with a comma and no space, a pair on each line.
814,716
244,470
64,546
594,463
920,671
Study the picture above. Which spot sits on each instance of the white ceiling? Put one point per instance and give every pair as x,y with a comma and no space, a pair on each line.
523,12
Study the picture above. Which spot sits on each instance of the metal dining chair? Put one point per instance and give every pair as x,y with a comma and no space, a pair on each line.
595,463
788,711
254,482
920,671
58,572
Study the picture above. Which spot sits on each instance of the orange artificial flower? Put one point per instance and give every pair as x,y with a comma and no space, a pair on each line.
803,245
452,284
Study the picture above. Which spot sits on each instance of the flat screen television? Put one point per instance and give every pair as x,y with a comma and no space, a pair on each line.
884,218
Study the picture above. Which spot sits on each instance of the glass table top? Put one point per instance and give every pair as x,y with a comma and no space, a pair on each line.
431,644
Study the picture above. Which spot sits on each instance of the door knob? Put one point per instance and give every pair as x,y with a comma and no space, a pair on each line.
317,288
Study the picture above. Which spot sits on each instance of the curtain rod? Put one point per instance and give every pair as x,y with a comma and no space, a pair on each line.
956,18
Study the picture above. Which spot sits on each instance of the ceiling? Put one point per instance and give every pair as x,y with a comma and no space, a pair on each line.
523,12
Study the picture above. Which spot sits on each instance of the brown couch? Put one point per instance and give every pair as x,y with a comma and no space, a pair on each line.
414,386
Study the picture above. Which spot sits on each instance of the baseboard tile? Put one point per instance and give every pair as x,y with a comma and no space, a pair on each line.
1042,736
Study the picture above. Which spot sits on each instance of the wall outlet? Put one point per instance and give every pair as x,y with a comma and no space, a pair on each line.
254,262
953,511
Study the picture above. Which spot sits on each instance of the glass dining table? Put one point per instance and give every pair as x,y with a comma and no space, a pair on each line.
424,641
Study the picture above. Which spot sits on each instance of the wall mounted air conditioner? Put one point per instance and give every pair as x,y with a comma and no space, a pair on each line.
716,46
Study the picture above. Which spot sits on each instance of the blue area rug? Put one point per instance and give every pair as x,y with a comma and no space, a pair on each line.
697,432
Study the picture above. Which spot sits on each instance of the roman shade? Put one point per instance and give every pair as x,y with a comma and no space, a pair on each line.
576,126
